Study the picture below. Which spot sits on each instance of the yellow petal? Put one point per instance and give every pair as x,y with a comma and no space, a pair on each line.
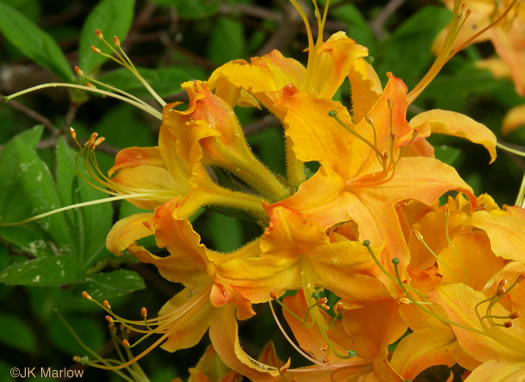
459,301
498,371
459,125
186,262
136,156
422,349
333,61
225,339
509,46
364,82
126,231
514,119
315,135
373,327
194,312
505,233
264,76
476,263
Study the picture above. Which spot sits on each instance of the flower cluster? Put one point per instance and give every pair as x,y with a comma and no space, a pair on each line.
441,282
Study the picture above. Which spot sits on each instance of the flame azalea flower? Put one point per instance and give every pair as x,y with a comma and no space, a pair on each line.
207,132
446,238
464,245
207,301
485,328
507,36
264,77
382,167
328,64
368,329
295,253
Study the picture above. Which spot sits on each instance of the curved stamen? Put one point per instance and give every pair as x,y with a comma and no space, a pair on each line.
91,89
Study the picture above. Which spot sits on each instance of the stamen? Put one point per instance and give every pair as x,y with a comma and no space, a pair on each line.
333,114
90,88
297,348
125,343
420,238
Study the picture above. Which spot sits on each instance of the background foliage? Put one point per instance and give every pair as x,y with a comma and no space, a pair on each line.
45,265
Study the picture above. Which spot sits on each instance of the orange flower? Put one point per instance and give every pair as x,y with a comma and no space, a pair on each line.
507,36
207,301
452,244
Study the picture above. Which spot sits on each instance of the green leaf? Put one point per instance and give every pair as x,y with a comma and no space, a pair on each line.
89,224
122,126
28,189
230,32
113,18
165,81
112,284
193,9
357,26
43,271
17,334
33,42
407,53
450,155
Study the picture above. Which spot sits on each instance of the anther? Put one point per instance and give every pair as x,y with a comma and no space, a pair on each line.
83,360
109,319
95,49
418,234
98,141
116,41
339,307
99,34
325,360
78,71
90,85
325,307
86,296
73,133
501,291
144,312
125,343
332,113
521,278
514,315
106,304
324,347
351,353
273,295
322,301
508,324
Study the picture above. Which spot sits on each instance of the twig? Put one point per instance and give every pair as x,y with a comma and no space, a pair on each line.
34,115
285,33
378,24
250,10
264,123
